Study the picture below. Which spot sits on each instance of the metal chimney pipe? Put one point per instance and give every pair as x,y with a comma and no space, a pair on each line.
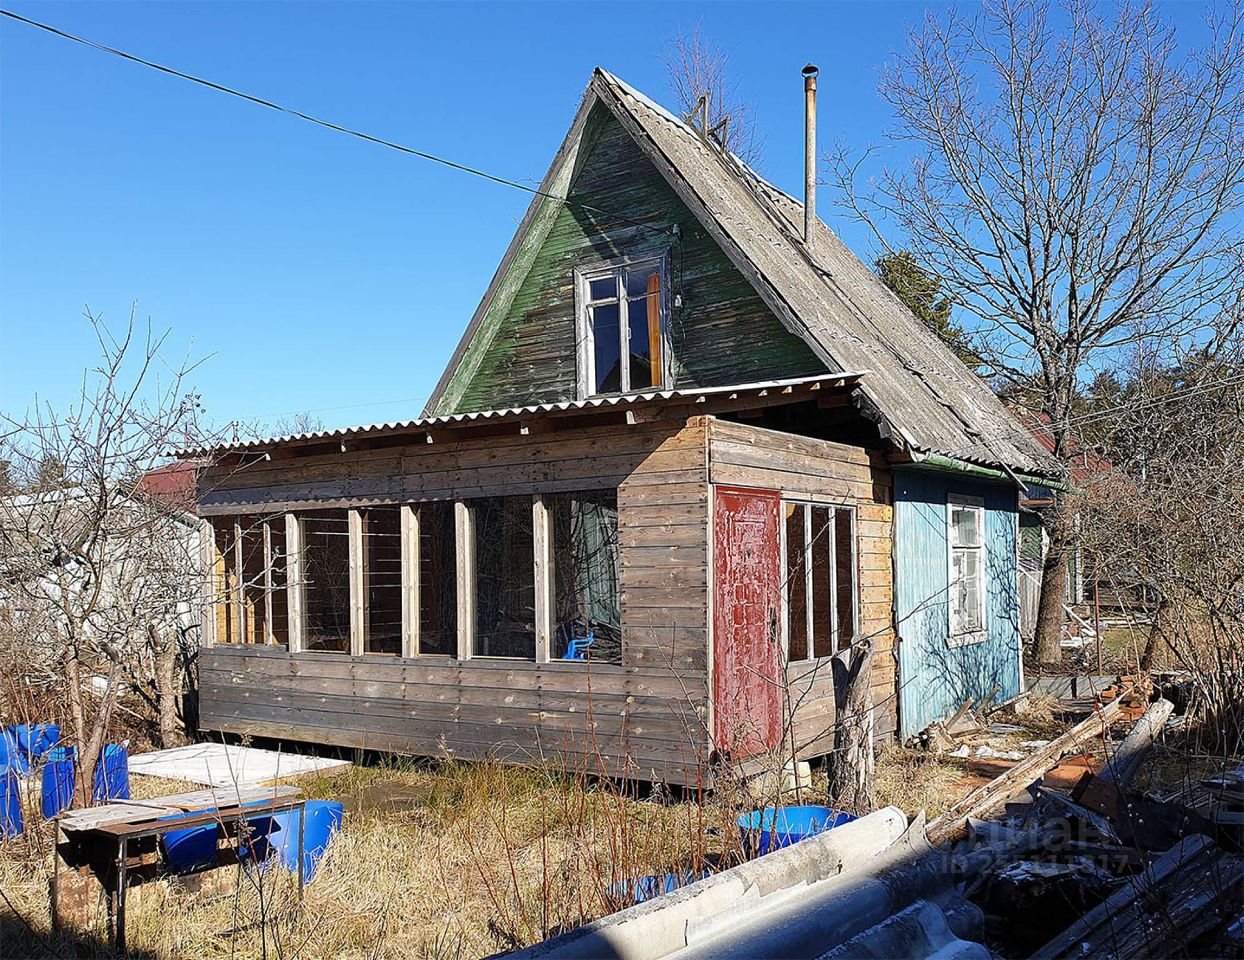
809,153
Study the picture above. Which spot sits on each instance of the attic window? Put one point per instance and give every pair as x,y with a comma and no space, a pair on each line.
621,328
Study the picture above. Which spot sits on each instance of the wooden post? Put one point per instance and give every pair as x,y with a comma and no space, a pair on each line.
269,636
207,549
237,592
464,535
542,542
409,522
358,583
295,583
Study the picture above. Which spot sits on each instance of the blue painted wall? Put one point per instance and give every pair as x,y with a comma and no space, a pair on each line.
934,676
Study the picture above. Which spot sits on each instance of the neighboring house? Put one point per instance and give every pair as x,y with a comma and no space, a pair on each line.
140,551
682,456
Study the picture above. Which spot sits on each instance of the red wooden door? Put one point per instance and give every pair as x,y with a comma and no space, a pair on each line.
747,601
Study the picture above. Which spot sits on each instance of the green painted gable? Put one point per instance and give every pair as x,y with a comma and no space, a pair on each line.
722,334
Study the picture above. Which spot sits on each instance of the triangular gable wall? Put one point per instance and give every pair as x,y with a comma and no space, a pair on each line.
521,347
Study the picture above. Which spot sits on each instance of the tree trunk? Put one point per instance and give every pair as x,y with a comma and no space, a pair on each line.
1050,615
166,691
852,769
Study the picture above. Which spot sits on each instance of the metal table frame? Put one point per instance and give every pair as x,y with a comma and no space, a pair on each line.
116,837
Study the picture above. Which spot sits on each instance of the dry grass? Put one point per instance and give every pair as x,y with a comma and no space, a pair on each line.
915,780
441,860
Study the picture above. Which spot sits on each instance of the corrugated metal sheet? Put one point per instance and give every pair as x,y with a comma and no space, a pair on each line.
830,297
935,677
824,382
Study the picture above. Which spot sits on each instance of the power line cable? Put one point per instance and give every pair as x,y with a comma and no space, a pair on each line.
319,121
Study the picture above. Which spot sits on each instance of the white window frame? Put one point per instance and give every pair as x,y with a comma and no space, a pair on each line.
805,503
586,352
956,636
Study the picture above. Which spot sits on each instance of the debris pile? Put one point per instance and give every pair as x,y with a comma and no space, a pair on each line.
1120,872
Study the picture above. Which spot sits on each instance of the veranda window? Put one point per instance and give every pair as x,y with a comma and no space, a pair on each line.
967,567
505,588
248,594
587,616
818,577
438,595
382,581
621,329
326,580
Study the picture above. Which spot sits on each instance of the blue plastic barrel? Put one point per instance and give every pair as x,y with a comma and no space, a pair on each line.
10,804
770,828
58,780
36,739
190,848
112,773
11,756
276,835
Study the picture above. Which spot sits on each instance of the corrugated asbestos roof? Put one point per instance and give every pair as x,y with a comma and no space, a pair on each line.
828,381
830,297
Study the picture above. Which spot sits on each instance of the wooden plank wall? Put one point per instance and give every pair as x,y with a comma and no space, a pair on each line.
660,471
804,467
639,722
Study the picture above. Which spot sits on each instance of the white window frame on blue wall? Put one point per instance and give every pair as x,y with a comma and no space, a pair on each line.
975,631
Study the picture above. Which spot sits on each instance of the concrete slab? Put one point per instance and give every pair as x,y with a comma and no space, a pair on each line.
224,764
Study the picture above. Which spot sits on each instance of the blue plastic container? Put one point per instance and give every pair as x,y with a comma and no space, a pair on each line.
276,836
191,848
11,756
112,774
36,739
770,828
10,804
58,780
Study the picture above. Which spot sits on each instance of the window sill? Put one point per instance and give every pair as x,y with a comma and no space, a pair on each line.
967,639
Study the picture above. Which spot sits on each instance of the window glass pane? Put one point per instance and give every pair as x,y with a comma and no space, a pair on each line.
254,607
587,619
280,599
603,288
505,619
965,525
796,584
822,546
844,558
971,590
643,280
607,348
326,565
382,581
438,580
224,582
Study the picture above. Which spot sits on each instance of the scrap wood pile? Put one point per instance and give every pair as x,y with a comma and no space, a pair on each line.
1106,871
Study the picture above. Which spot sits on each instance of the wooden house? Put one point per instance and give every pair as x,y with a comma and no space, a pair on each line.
688,449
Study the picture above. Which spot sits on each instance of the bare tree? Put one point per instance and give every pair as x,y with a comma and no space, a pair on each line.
99,566
698,72
1072,182
1163,527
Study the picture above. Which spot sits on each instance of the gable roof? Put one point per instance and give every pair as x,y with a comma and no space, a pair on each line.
923,396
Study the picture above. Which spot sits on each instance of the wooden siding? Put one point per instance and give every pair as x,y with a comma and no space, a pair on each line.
641,722
723,333
661,475
803,467
936,677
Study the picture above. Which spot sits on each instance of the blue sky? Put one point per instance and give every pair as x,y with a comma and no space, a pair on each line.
313,271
